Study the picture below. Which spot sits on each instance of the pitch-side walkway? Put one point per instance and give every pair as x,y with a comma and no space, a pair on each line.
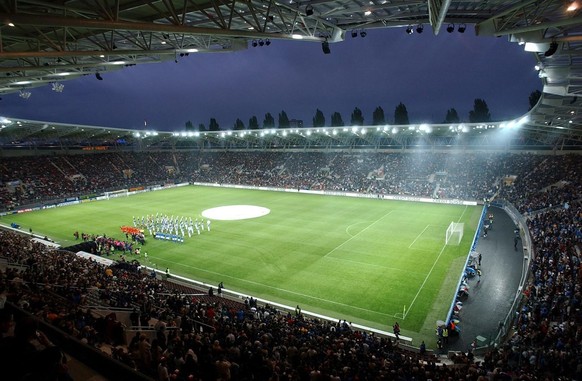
490,299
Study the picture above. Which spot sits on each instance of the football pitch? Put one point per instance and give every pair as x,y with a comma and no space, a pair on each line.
368,261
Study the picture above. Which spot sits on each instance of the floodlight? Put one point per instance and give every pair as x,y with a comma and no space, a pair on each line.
409,29
98,76
419,28
325,47
354,33
462,28
267,42
451,28
254,43
363,33
309,10
261,42
57,87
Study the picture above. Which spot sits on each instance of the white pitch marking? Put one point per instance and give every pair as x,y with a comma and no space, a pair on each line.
235,212
279,289
357,234
430,271
425,279
418,236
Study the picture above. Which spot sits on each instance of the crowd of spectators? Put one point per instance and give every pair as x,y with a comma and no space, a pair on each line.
548,331
32,180
247,341
537,181
554,180
243,341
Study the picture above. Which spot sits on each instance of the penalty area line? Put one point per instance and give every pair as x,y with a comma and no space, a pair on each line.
418,236
430,271
357,234
424,282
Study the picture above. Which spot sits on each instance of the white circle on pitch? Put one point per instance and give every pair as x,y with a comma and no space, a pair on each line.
235,212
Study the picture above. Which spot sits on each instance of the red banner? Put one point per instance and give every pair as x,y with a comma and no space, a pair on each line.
131,230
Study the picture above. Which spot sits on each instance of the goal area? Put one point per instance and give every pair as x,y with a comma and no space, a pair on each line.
454,233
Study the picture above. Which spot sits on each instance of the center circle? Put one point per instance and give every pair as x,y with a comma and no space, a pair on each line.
235,212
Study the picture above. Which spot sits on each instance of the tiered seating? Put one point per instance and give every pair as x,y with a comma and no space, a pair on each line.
249,341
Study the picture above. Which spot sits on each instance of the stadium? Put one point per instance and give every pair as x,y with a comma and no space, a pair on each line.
390,251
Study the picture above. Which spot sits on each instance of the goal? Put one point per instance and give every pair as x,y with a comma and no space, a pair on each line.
454,233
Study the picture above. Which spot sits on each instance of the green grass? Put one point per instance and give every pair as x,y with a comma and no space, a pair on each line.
361,260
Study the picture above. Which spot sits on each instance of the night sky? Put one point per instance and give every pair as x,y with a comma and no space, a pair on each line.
428,74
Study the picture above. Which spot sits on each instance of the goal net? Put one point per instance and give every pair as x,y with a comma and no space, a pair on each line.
454,233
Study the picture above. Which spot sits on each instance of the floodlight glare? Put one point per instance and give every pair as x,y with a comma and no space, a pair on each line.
24,94
57,87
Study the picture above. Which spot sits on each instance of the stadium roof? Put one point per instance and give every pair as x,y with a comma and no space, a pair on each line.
38,136
44,42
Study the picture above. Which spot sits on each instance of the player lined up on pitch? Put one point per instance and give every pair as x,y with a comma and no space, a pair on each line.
178,225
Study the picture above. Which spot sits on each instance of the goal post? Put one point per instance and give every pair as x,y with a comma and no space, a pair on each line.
454,233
